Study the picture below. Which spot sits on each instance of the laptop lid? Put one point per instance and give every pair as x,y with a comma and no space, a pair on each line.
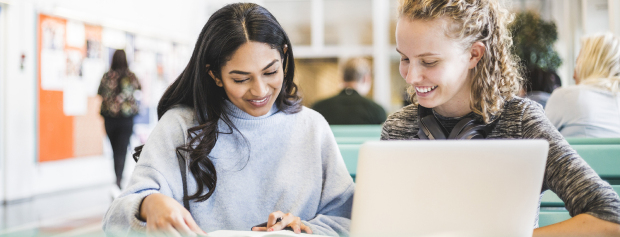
448,188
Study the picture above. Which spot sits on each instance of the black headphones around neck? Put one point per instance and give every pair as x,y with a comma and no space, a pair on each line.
467,128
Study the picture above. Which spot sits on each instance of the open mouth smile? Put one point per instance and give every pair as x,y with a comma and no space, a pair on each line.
424,89
260,102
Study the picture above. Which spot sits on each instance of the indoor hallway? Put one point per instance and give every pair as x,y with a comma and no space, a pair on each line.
69,213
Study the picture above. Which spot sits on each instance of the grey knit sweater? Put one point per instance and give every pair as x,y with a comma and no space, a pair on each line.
566,173
278,162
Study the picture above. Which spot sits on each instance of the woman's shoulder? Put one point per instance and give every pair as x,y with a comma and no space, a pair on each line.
310,116
407,114
516,107
402,124
179,114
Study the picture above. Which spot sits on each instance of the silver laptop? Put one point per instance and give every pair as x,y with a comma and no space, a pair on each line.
448,188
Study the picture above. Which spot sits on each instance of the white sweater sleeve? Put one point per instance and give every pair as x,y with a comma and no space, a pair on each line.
334,212
157,171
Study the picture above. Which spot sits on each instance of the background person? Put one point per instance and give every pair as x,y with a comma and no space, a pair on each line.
456,56
592,107
252,152
350,106
539,84
118,107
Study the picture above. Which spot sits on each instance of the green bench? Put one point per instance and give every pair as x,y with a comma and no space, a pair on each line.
550,199
602,154
549,216
356,130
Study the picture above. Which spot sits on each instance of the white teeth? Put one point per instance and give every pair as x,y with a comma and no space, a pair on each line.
259,101
425,89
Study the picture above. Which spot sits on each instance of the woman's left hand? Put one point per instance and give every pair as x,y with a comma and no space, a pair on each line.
286,221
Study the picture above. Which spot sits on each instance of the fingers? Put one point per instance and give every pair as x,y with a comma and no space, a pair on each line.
296,225
306,228
182,228
161,230
287,220
175,226
271,221
192,225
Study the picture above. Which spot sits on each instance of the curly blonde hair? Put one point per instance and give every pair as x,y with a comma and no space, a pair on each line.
599,61
496,78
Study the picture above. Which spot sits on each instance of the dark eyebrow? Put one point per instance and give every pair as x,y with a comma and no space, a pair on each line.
239,72
270,64
426,54
419,55
247,73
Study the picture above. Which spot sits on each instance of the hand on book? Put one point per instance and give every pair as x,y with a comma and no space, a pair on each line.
278,221
166,217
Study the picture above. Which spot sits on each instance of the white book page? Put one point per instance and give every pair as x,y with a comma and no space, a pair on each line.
239,233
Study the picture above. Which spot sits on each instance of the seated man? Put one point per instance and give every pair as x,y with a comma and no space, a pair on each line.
350,106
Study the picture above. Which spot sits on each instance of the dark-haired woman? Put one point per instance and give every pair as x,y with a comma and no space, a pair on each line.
118,107
252,152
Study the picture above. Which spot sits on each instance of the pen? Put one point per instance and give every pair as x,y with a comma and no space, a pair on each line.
279,219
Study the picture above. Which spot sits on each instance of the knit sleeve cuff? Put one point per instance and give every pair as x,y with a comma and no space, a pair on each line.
137,223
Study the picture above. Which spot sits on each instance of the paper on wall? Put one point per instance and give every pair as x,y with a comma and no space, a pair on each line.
92,71
53,69
76,34
75,98
74,63
113,38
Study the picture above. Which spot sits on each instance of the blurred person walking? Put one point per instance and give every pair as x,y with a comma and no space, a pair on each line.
119,105
592,107
350,106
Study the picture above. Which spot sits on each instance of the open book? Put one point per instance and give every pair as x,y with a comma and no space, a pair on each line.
238,233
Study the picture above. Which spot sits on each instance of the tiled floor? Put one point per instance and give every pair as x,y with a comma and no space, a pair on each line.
70,213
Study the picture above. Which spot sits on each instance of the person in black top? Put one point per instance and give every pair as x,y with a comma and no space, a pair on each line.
350,106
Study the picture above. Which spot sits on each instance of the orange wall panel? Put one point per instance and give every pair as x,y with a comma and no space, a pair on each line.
55,129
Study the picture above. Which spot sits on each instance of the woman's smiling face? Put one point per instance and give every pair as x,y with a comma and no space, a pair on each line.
253,77
435,65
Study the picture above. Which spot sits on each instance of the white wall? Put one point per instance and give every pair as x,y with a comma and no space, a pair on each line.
21,175
19,101
2,79
179,21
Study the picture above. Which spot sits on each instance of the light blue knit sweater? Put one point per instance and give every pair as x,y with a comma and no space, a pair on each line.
290,163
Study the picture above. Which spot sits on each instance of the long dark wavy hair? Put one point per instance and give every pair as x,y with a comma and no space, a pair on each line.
225,31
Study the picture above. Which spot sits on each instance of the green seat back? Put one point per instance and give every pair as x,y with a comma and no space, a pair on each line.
349,155
356,130
604,159
592,141
550,199
355,140
548,217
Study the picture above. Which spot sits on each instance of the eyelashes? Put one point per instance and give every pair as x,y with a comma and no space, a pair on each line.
424,63
266,74
429,63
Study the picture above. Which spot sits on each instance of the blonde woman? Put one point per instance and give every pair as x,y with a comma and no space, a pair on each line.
592,107
456,57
